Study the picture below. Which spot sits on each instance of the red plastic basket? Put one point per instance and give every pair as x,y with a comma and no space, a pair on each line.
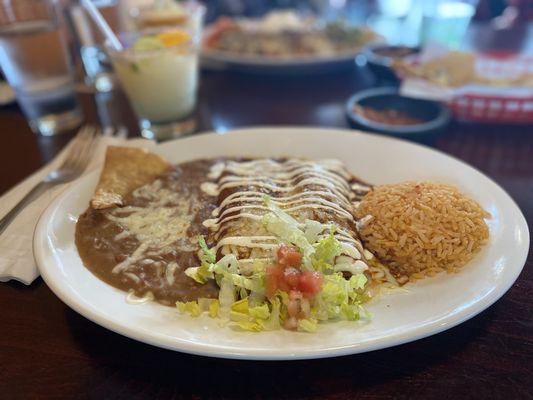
503,105
476,107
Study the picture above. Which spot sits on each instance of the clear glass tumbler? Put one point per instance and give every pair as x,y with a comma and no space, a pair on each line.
35,60
445,22
158,70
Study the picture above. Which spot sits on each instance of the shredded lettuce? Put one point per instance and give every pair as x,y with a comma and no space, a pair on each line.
350,311
213,309
200,274
308,325
228,263
249,326
259,312
318,255
274,320
240,306
207,258
206,255
281,224
326,250
340,298
189,307
226,296
249,318
312,229
358,281
242,299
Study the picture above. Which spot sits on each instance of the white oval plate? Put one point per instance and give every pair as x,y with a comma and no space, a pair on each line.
426,308
287,65
260,64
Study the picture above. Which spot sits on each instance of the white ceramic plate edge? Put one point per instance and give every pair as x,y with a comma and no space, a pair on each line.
219,56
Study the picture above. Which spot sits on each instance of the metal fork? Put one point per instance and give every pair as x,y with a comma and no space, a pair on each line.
76,160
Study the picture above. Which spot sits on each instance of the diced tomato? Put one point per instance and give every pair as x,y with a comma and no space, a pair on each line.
305,309
291,276
310,283
291,323
293,308
283,285
293,259
273,276
295,295
286,277
289,256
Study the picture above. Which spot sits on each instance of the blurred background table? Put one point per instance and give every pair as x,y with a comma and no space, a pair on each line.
48,350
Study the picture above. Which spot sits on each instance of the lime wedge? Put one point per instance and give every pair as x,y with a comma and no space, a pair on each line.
147,43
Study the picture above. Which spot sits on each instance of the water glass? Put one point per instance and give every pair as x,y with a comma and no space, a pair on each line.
35,60
445,22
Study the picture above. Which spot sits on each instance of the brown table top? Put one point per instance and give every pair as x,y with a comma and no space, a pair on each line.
48,350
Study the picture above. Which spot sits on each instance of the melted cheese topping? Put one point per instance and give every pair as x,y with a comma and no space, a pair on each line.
159,227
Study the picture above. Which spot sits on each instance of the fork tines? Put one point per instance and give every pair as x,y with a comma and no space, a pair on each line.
81,149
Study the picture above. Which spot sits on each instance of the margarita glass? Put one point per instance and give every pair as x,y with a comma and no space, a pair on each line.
158,70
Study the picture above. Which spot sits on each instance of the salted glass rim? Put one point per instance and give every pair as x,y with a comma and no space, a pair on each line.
192,45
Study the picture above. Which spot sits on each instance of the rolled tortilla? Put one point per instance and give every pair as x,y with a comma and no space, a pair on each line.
322,191
125,169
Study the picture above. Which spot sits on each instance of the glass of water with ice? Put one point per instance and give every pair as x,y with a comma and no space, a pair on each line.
35,60
445,22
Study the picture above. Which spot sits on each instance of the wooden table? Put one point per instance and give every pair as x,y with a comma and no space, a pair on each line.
48,350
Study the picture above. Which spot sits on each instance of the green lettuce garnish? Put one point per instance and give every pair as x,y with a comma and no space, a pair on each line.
340,298
285,227
326,250
249,318
207,258
308,325
190,307
242,301
206,255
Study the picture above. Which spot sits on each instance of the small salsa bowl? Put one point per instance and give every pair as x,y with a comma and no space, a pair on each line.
384,110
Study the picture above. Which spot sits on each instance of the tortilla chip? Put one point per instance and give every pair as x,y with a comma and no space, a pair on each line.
125,169
452,70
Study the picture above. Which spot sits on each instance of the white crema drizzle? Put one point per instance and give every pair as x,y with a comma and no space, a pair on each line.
322,185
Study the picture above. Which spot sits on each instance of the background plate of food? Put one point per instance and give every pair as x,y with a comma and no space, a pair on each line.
268,243
283,41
